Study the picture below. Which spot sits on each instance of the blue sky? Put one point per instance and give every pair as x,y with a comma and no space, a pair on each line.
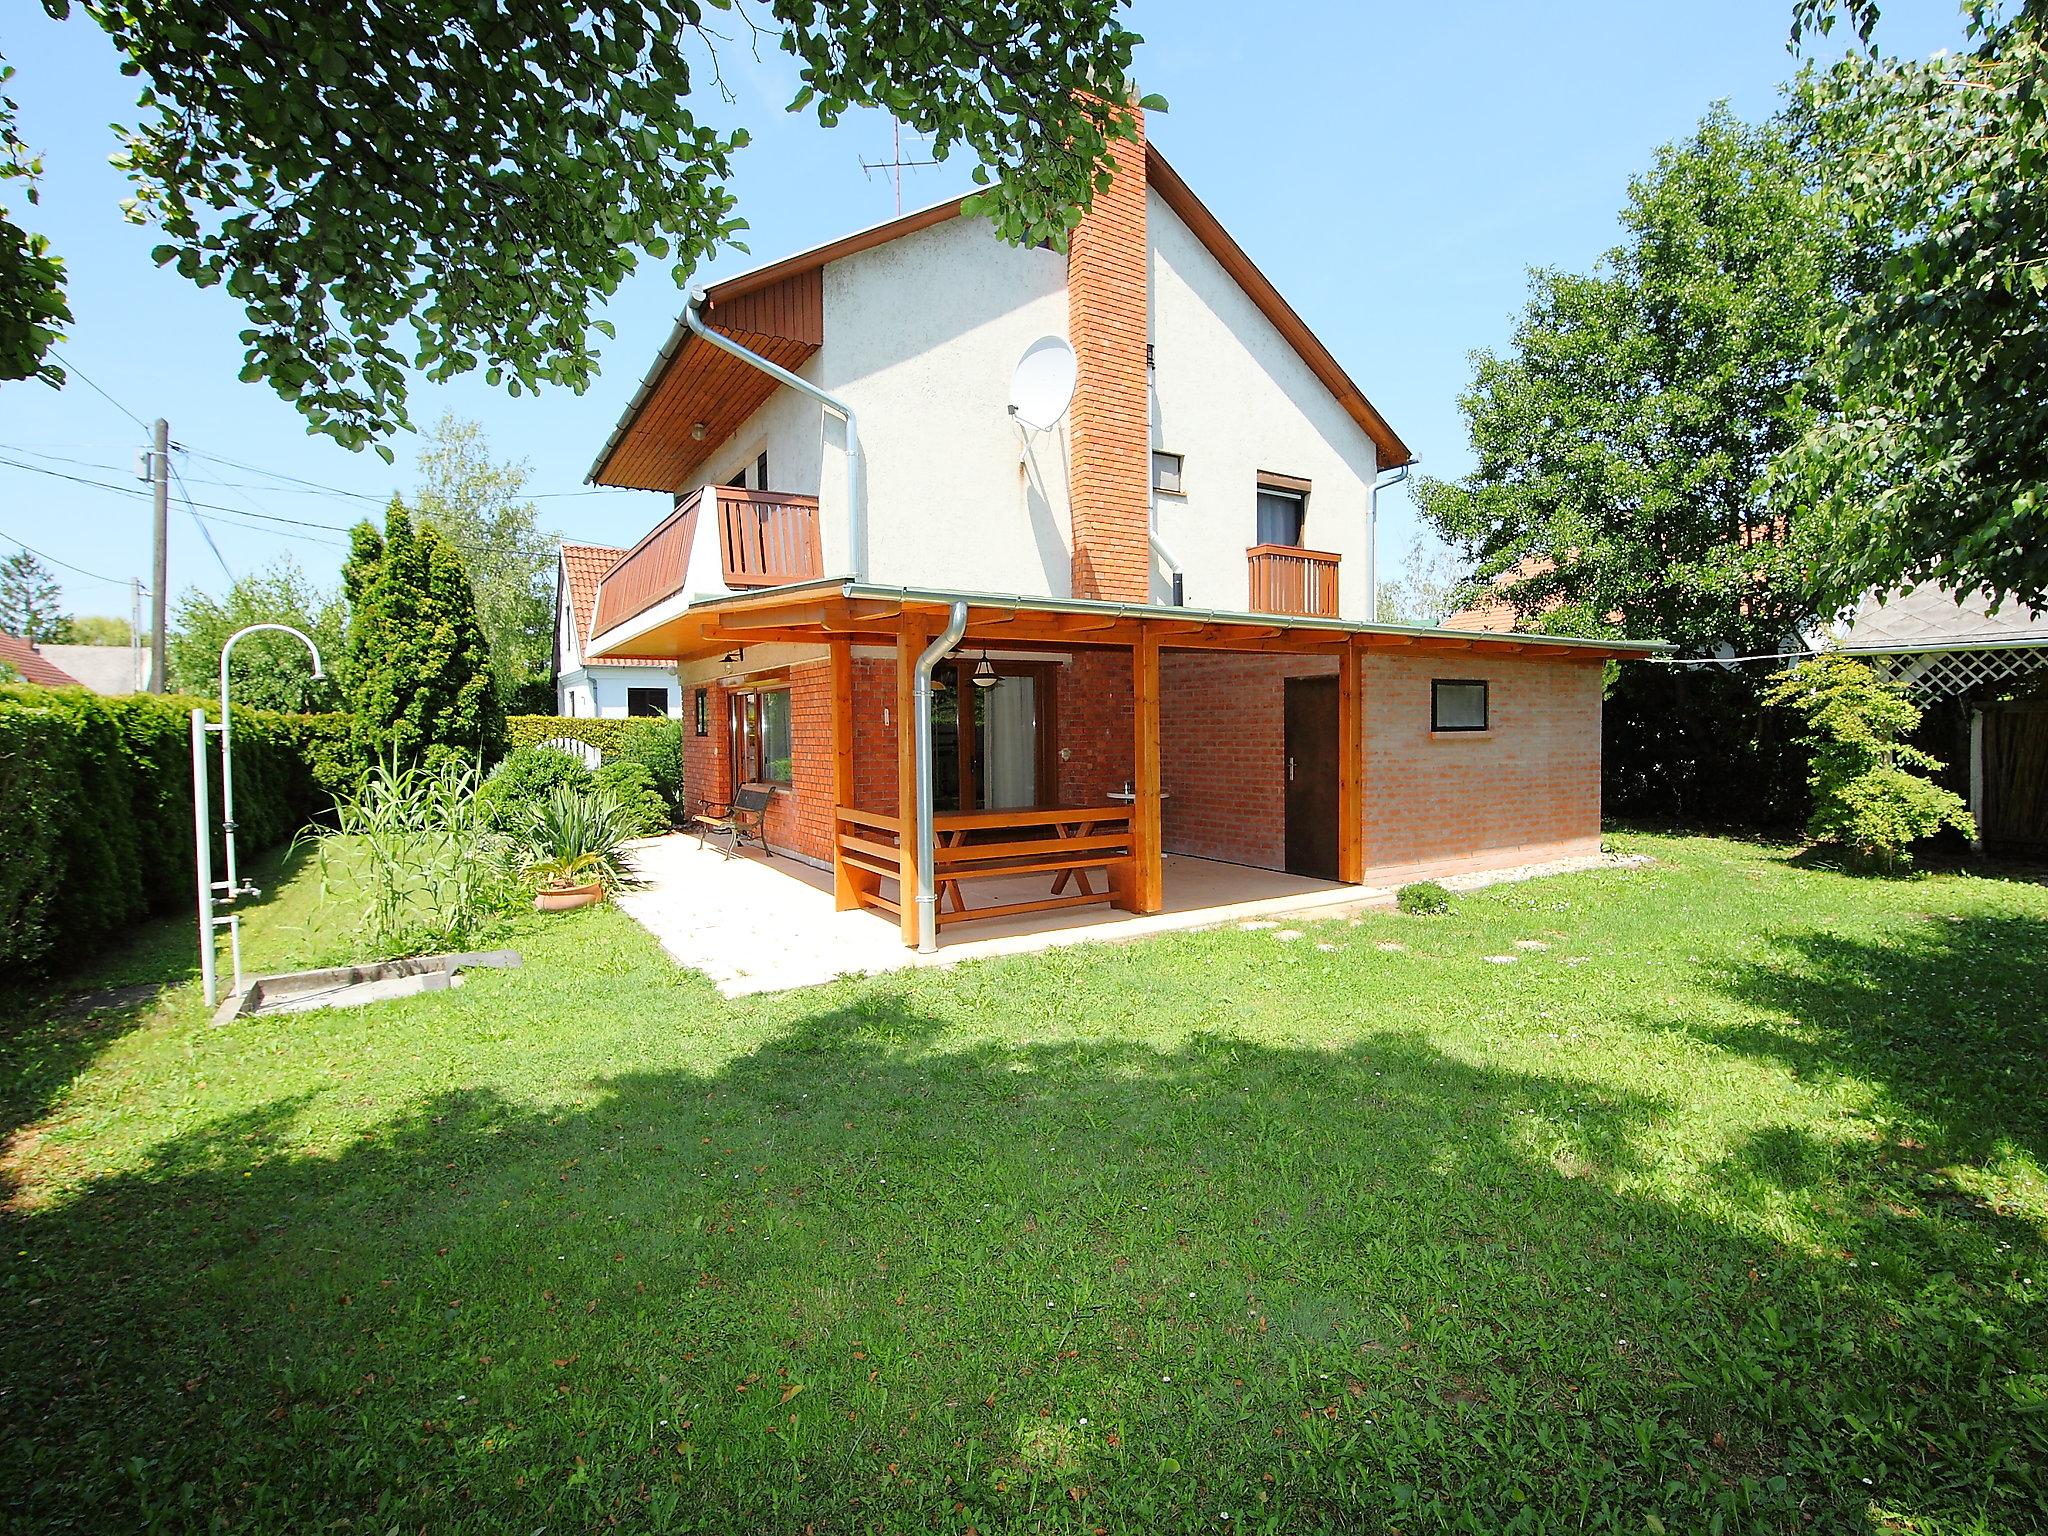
1395,169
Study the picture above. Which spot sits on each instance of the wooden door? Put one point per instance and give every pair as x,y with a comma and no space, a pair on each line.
1311,769
2015,805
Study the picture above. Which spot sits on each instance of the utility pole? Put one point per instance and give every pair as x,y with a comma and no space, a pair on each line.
160,475
135,634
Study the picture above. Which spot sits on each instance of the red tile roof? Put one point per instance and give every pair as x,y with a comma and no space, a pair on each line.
33,666
585,565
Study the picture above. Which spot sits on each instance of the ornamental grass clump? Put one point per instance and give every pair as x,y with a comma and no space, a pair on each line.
414,840
1867,798
574,837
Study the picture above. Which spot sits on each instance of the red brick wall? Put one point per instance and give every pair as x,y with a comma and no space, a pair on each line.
1110,478
874,742
800,817
707,760
1097,750
1524,791
1222,731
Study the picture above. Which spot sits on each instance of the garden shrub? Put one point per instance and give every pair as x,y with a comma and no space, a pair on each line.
609,735
643,809
1866,796
1425,898
96,796
522,781
657,745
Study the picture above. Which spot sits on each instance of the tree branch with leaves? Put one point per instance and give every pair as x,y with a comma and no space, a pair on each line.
439,188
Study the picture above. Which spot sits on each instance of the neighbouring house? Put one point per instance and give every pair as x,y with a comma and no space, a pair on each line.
32,664
617,685
113,670
1155,600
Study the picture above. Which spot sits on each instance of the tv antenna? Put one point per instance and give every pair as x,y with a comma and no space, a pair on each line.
895,165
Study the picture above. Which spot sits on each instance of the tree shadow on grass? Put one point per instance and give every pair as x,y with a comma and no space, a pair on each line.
857,1281
1949,1016
52,1029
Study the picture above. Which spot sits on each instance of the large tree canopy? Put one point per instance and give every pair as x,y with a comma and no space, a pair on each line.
1623,438
441,186
1933,463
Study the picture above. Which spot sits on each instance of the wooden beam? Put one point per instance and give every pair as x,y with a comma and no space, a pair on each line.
910,641
1148,876
772,618
728,638
1350,767
845,895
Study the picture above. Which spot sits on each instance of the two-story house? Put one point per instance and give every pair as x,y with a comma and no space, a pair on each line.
1137,630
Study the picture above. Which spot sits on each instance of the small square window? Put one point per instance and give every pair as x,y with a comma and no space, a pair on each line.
1457,704
1166,473
702,710
643,703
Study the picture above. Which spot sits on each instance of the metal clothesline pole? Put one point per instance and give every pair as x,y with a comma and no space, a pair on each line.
231,888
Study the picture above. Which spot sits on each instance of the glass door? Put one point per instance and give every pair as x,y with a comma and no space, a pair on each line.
988,744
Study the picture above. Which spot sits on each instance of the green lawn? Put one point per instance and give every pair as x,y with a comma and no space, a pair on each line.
1718,1208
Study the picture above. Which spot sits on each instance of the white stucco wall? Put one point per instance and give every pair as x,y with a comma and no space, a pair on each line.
1231,395
599,692
921,336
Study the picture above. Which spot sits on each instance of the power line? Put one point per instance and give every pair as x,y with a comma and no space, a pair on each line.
204,532
119,581
537,551
71,367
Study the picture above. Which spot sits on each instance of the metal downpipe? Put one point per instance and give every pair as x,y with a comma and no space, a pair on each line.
856,507
927,877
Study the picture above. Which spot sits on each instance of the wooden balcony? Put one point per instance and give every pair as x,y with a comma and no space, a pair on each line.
651,571
765,539
768,538
1302,582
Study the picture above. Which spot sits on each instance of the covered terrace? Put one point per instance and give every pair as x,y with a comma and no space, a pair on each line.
1093,830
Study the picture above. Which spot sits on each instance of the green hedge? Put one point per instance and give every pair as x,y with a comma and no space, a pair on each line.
96,808
531,730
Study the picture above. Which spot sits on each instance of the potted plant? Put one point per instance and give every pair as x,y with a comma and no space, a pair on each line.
572,847
563,885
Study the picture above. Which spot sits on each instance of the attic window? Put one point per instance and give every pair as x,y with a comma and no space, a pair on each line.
1166,469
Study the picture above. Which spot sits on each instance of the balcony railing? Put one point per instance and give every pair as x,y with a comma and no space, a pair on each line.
765,539
768,538
651,571
1302,582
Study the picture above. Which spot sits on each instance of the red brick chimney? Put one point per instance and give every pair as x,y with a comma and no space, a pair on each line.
1110,489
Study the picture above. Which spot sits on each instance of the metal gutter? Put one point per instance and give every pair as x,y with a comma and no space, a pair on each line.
921,690
943,597
856,508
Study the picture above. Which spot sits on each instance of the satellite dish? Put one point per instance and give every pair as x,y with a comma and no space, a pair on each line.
1043,385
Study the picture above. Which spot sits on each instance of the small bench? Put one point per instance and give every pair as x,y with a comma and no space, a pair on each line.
744,818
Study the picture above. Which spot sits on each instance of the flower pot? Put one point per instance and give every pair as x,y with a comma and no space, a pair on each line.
567,898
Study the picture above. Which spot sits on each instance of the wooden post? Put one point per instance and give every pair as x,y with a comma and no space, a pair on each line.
910,641
1148,882
1351,766
844,896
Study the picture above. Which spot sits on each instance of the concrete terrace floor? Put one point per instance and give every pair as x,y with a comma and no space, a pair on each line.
766,925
